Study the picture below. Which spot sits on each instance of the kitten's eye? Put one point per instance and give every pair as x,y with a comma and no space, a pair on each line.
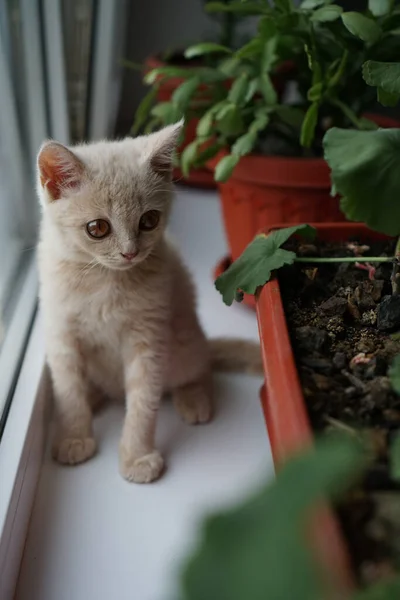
149,220
98,229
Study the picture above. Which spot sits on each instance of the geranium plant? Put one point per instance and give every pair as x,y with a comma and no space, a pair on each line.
258,550
365,172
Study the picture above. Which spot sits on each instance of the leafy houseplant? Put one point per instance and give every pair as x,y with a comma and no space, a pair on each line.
265,142
180,69
257,550
365,172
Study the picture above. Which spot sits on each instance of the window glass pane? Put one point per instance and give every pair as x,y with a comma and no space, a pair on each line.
18,205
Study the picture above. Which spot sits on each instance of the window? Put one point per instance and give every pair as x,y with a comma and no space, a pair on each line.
60,64
18,208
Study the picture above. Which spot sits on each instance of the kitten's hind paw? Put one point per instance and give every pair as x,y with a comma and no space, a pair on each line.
145,469
194,404
72,451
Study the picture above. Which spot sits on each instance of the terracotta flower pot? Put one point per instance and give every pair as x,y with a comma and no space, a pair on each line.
270,189
283,401
197,177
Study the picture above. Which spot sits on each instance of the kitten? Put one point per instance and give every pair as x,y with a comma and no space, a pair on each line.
118,304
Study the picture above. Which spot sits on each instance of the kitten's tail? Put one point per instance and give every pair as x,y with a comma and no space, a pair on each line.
237,355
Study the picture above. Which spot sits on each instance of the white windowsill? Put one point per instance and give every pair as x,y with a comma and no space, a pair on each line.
21,455
91,534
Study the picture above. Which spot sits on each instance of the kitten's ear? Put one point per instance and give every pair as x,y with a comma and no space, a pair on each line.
163,144
59,169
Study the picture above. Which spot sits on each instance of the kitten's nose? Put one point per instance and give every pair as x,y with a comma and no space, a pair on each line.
129,255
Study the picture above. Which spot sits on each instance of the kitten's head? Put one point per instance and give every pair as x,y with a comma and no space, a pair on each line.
108,202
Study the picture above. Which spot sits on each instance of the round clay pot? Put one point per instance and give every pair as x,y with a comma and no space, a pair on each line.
272,189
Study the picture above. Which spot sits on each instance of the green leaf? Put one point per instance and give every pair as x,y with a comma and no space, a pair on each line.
165,73
284,5
205,125
365,171
251,90
183,94
382,74
151,125
143,110
315,92
254,267
225,167
313,64
335,77
362,27
237,93
366,124
379,8
244,144
267,89
188,156
327,13
204,155
309,125
310,4
206,48
395,458
387,99
167,112
231,123
251,49
268,529
223,109
229,66
383,590
291,115
267,28
269,55
260,122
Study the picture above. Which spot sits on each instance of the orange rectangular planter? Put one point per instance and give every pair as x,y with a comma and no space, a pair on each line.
284,405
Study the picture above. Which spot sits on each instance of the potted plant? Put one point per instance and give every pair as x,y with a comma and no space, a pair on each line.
328,327
260,548
191,71
266,146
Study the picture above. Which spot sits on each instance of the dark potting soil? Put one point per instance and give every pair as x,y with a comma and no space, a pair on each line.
341,324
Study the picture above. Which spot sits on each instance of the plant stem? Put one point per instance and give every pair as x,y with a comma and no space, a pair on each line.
395,276
346,259
228,28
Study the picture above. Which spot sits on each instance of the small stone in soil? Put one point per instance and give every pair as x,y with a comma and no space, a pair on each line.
389,313
392,416
307,250
363,296
365,345
310,338
369,317
339,360
322,365
368,367
334,306
322,382
335,326
378,391
383,272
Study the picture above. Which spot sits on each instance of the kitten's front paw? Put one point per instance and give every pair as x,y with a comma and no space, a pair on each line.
144,469
72,451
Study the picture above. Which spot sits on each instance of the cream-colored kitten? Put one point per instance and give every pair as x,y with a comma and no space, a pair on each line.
118,304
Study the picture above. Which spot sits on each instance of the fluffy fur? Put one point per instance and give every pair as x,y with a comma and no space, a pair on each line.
115,327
